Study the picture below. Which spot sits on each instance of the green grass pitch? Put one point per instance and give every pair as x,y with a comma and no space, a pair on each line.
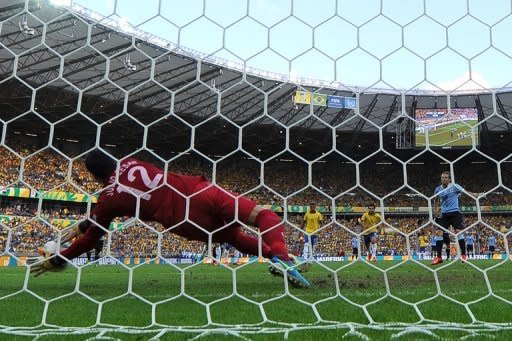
358,282
447,135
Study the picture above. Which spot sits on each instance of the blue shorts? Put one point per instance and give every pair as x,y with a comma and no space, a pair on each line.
314,239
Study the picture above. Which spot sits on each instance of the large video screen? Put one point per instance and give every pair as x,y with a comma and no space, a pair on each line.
446,130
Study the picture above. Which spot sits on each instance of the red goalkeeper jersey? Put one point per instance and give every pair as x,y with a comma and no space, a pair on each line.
161,203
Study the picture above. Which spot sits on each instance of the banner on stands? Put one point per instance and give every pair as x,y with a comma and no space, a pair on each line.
321,100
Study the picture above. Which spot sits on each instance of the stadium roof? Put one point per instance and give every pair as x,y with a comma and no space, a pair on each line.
122,95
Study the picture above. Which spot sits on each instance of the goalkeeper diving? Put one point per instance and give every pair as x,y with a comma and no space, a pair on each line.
162,199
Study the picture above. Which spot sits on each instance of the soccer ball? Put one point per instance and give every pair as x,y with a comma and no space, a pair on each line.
48,249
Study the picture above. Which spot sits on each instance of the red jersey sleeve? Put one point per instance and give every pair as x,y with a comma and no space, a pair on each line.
111,204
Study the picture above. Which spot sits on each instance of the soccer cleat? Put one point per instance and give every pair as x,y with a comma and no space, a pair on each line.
464,258
373,259
278,266
437,260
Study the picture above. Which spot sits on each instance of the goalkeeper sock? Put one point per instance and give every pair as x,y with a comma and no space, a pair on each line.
439,248
462,245
273,233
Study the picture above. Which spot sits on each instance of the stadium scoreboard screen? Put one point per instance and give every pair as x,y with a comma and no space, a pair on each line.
446,128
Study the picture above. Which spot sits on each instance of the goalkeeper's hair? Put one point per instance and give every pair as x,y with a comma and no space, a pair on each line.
100,164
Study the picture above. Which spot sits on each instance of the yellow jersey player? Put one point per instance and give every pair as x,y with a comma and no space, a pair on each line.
423,241
311,222
370,222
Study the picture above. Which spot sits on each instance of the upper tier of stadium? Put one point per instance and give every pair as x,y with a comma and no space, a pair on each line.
152,83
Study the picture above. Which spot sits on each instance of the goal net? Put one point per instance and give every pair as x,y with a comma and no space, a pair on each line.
341,105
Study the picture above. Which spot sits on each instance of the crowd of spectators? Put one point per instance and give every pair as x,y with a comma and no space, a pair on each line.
335,237
285,183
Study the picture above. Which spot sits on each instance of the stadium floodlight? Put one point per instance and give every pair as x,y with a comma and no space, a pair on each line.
128,64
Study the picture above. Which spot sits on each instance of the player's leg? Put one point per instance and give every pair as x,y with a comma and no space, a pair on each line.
305,251
201,215
215,255
447,243
462,245
213,207
224,206
243,242
96,252
440,240
457,221
355,253
439,244
268,222
273,234
205,216
314,242
374,246
99,249
367,239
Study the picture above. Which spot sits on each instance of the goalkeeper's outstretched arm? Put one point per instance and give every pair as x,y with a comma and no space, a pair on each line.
82,244
89,231
86,234
57,262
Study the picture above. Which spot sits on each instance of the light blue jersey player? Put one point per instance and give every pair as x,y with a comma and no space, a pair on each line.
355,247
470,244
448,214
491,244
432,245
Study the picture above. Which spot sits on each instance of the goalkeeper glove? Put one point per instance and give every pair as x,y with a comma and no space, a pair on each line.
40,265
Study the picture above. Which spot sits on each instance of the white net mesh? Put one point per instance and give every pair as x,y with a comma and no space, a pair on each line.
232,94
